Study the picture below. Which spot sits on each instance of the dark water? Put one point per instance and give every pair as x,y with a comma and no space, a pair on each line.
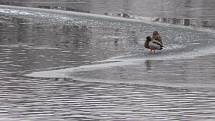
183,12
59,66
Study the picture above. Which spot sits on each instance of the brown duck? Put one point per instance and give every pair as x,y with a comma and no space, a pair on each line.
152,44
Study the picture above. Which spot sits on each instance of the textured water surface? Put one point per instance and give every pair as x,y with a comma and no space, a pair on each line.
57,66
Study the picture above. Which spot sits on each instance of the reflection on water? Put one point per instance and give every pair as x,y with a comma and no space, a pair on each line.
186,22
70,5
153,88
184,12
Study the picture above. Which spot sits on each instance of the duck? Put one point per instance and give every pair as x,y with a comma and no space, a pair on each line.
152,44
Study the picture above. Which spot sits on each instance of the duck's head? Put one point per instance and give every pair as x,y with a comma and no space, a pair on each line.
155,33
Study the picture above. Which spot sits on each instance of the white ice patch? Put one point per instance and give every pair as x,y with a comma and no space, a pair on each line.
115,62
65,73
119,62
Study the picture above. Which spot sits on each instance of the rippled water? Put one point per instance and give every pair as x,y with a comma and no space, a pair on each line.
57,65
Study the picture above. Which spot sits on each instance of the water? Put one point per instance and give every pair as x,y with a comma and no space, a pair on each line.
61,66
186,12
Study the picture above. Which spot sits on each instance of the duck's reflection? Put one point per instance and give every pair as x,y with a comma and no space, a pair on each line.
152,64
148,64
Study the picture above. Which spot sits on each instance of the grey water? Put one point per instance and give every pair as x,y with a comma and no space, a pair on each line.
58,66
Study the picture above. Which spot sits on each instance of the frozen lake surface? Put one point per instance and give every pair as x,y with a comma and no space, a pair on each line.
58,65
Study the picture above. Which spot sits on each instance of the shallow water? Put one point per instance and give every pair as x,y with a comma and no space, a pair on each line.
60,66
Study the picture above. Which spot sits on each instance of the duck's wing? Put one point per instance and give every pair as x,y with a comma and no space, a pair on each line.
157,42
155,46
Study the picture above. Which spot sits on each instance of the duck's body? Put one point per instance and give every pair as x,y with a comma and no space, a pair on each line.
155,45
152,44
